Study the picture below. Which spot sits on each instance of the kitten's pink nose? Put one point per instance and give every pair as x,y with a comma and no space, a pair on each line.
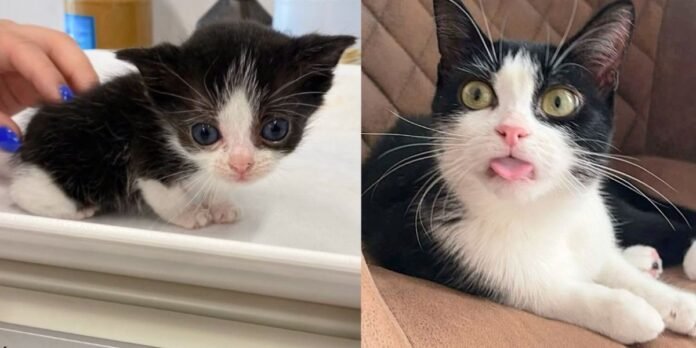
511,134
241,160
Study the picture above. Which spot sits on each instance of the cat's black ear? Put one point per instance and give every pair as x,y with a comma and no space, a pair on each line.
457,32
152,62
321,50
601,45
158,66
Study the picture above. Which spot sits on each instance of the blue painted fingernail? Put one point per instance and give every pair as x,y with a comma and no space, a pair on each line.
66,93
9,141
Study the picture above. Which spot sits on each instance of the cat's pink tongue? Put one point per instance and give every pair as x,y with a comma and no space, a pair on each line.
512,169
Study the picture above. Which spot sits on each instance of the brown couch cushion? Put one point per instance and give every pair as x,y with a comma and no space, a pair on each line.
414,312
655,115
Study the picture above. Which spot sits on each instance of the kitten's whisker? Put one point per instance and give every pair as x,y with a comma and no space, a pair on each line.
199,193
184,172
290,104
197,102
205,78
290,83
286,111
190,111
175,74
271,102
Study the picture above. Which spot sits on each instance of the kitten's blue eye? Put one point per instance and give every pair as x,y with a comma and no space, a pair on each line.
205,134
275,129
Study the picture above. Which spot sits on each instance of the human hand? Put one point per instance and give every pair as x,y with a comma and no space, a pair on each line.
37,64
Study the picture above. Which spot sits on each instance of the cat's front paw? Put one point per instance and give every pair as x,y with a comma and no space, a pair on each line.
224,213
644,258
679,313
630,319
194,218
690,262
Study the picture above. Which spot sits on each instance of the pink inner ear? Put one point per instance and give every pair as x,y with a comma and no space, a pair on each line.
602,45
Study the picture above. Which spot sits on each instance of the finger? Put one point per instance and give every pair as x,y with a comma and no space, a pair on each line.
8,103
21,90
65,53
32,63
6,121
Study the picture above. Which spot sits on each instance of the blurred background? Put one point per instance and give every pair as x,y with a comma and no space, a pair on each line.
113,24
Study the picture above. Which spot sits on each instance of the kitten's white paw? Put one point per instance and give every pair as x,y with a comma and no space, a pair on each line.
644,258
224,213
83,214
630,319
690,262
202,216
194,218
679,313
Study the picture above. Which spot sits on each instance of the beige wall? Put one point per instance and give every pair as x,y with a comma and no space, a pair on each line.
173,19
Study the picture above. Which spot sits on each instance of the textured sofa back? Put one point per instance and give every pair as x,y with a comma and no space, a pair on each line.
656,105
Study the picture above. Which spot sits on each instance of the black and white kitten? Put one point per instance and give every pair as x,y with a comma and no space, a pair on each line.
499,192
218,111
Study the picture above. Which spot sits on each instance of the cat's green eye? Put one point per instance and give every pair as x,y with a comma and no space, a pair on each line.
477,95
559,102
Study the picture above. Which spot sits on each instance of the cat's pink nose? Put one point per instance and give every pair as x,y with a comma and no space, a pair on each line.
241,167
241,160
511,134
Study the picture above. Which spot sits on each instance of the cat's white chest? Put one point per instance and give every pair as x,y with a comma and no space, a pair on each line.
527,249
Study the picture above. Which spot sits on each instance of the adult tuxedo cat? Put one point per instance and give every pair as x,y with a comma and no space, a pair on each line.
499,193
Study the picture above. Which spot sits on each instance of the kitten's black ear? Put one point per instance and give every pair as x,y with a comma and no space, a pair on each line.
601,45
158,66
154,61
457,33
321,49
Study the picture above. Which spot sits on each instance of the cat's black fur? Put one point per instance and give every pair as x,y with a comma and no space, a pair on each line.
390,232
399,240
639,223
96,145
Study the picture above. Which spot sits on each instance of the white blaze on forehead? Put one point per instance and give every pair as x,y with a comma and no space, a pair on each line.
236,118
515,83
